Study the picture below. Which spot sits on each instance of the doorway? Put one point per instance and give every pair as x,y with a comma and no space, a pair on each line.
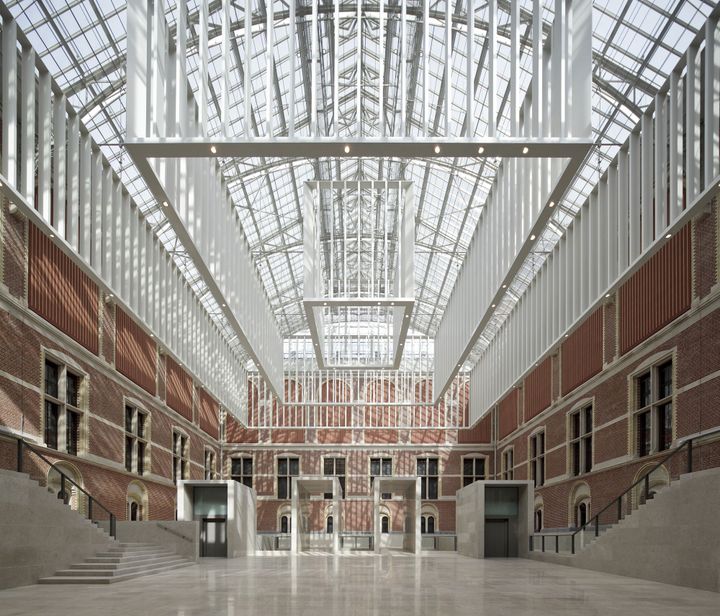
213,538
497,538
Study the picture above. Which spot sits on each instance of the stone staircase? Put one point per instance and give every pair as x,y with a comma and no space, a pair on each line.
673,538
123,561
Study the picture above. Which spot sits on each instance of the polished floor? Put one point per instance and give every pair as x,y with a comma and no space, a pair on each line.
392,585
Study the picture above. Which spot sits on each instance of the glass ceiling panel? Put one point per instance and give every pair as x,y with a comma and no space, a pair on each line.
635,44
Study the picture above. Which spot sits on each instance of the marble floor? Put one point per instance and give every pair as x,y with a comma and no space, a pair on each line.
389,584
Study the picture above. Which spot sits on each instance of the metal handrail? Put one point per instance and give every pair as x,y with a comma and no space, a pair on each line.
617,501
22,444
174,532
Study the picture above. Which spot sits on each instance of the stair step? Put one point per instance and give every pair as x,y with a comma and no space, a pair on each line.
121,560
99,572
71,579
133,554
122,565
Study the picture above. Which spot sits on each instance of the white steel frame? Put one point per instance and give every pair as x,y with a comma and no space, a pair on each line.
93,220
610,239
326,290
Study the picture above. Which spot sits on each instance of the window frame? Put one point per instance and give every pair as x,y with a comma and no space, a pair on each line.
475,477
508,470
64,408
382,459
342,478
584,438
181,460
426,478
655,410
278,476
243,477
536,459
137,439
209,470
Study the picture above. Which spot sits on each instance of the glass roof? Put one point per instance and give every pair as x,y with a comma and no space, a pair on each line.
635,43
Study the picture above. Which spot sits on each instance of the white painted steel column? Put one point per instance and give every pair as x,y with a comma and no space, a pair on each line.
646,174
492,66
85,201
44,145
613,230
138,69
660,172
59,164
204,102
514,68
623,211
73,179
676,127
634,228
692,125
226,68
469,68
27,144
9,100
711,151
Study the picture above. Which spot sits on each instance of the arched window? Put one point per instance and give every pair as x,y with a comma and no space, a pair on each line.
427,524
582,513
385,525
329,525
579,505
285,525
538,520
137,501
72,496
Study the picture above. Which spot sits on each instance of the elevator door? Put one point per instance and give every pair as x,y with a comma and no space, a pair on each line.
496,538
213,540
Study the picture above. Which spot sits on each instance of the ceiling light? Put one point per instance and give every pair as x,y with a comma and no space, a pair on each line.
392,303
481,150
110,295
532,237
504,286
566,335
213,149
52,235
1,184
347,149
407,316
668,236
152,335
551,204
378,303
437,149
607,294
165,203
493,305
223,305
526,150
324,303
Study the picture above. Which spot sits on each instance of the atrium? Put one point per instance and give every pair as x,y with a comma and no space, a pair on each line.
344,307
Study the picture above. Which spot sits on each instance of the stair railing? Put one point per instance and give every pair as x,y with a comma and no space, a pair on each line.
64,494
686,444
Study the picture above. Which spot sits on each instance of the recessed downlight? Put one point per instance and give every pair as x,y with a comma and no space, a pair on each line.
481,149
668,236
165,204
526,150
346,149
607,294
532,237
551,204
437,149
213,149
